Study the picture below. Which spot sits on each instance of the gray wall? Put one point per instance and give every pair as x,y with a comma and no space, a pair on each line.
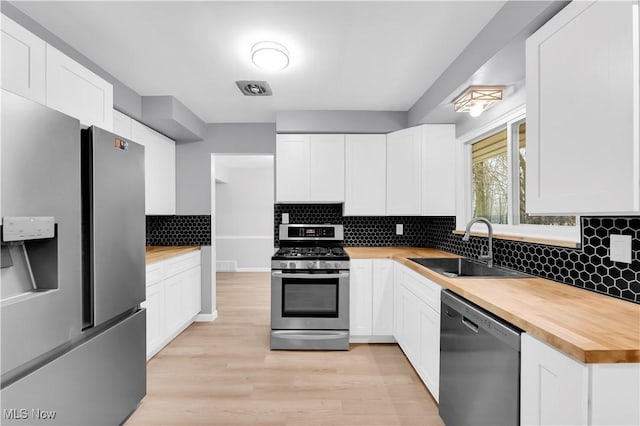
514,20
340,121
193,160
208,303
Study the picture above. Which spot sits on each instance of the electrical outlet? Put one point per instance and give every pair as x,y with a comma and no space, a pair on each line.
285,218
399,229
620,248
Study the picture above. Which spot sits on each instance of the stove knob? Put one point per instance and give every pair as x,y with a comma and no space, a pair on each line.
283,265
292,265
311,265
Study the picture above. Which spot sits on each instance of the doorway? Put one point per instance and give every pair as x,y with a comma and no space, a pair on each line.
242,208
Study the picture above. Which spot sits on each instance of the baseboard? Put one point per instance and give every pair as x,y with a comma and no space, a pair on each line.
206,317
371,339
253,270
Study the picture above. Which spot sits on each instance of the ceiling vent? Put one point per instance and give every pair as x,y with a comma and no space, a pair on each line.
254,88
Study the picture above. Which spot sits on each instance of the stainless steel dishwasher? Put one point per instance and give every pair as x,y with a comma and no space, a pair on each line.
479,366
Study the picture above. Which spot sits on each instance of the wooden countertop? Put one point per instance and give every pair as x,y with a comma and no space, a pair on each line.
158,253
590,327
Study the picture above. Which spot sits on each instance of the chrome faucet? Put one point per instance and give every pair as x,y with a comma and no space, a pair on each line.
467,232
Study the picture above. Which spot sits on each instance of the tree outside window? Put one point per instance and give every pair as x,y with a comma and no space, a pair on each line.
490,180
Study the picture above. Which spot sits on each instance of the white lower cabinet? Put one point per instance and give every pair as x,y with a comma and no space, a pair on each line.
371,301
173,298
417,324
556,389
155,305
360,297
382,298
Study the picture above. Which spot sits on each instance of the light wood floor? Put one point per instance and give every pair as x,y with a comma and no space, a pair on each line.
223,373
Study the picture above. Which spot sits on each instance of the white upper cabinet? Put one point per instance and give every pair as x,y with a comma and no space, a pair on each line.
326,168
35,70
438,170
421,177
160,169
583,124
76,91
309,168
404,157
292,168
365,175
23,62
121,124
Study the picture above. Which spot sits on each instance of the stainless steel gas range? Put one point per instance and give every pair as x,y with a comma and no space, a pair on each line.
310,289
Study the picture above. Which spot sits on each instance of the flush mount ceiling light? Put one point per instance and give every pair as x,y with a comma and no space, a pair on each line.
477,99
270,56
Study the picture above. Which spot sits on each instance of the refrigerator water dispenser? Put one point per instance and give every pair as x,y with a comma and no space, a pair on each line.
29,261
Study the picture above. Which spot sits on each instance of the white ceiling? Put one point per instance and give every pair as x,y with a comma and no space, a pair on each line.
344,55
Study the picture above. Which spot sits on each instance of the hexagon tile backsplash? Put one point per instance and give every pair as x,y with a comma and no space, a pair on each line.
179,230
588,267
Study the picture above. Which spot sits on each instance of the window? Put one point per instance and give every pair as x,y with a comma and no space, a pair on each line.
490,178
498,179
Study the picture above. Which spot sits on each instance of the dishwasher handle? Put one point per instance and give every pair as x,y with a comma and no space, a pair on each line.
476,319
470,324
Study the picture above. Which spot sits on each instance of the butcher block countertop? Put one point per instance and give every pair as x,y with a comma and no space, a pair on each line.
592,328
158,253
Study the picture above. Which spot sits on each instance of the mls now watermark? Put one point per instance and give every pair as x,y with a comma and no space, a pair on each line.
28,414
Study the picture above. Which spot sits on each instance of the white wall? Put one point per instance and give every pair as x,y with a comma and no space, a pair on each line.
244,212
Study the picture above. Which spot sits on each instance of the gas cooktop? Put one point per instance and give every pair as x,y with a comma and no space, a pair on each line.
311,253
310,247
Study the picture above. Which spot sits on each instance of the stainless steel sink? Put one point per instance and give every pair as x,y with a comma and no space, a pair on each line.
463,267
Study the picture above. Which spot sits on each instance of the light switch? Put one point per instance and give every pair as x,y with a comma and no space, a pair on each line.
285,218
620,249
399,229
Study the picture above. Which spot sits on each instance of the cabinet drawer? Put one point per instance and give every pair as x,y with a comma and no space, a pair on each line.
423,288
155,273
181,263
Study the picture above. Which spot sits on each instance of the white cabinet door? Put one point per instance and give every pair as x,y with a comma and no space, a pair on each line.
23,61
174,295
160,169
326,168
438,170
404,163
383,299
365,175
122,124
410,307
292,168
417,324
360,293
583,112
429,363
78,92
553,387
156,328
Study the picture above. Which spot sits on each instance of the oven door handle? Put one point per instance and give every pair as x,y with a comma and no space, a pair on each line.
280,274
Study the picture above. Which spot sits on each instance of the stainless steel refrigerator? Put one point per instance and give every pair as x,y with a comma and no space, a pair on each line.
73,272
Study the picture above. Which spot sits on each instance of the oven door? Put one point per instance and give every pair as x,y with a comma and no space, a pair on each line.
310,300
